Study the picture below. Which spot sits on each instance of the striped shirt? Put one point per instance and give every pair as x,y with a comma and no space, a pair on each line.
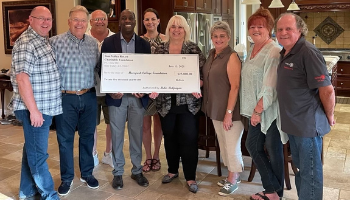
76,60
32,54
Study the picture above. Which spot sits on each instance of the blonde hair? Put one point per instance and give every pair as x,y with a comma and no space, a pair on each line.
79,8
178,20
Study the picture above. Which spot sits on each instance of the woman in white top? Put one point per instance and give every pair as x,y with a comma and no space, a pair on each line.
259,104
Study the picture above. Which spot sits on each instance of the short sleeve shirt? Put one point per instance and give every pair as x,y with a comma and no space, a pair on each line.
76,60
299,75
32,54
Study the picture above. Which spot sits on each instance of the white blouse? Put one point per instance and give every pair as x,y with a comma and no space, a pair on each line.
258,80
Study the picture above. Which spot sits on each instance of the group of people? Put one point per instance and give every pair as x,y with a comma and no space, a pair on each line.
284,92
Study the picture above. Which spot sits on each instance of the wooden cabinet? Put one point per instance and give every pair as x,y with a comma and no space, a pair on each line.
113,21
227,8
184,5
323,5
216,7
203,6
343,78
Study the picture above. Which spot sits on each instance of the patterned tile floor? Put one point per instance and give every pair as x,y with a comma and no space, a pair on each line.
336,170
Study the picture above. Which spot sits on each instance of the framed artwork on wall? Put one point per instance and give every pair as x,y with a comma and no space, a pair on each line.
16,19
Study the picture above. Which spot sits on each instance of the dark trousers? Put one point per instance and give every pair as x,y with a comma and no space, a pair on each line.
180,130
79,111
270,165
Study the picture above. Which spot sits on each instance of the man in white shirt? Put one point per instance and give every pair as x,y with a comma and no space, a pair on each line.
99,30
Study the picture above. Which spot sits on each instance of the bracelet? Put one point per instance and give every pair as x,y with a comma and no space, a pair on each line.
256,113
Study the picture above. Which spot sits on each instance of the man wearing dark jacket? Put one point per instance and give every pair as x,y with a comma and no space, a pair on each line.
122,106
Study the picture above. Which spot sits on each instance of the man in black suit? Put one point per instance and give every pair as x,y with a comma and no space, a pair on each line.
122,106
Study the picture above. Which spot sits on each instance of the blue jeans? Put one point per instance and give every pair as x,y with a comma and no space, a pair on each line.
270,164
35,175
79,111
306,156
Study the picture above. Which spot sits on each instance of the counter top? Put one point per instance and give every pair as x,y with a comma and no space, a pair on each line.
330,62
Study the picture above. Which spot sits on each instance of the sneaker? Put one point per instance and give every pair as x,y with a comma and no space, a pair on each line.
228,188
96,162
90,181
64,188
107,159
222,182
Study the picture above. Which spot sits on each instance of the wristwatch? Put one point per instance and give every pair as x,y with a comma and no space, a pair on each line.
229,111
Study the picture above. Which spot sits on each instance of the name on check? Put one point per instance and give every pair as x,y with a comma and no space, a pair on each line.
146,73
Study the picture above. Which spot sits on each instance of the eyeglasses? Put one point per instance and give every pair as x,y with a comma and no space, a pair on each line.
42,19
76,20
102,19
218,36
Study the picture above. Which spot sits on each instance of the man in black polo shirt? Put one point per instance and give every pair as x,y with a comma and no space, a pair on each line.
306,100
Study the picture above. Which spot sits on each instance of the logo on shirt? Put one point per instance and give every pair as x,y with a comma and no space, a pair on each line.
288,66
320,78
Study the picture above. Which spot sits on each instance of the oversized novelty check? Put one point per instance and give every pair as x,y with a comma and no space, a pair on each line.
146,73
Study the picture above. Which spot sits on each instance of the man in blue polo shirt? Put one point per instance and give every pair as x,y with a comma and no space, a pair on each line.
306,99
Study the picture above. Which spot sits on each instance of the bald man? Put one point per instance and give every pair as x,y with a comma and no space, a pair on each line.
99,31
36,99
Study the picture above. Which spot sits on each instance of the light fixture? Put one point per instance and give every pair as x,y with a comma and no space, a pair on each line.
250,2
276,4
293,6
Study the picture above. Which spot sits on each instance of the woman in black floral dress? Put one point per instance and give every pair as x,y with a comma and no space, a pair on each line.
178,112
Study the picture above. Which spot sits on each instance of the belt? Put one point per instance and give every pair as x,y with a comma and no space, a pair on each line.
78,92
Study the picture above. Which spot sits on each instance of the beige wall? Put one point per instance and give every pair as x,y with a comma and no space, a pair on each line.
342,18
62,10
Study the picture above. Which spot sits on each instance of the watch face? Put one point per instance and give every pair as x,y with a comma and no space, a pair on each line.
229,111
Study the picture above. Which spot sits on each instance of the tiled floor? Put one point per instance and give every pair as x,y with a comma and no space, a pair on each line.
336,170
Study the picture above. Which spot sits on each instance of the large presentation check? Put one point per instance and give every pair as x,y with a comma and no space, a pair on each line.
146,73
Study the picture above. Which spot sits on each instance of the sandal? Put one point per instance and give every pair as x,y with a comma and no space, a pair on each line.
261,196
156,165
147,165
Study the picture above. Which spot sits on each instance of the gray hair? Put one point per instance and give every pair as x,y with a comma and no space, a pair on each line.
221,25
301,25
79,8
178,20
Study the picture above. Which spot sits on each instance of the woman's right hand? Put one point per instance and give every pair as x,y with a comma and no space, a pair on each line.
153,95
255,119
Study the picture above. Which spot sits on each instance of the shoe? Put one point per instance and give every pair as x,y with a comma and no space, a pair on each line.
90,181
147,165
168,179
222,182
228,188
140,179
117,182
107,159
64,188
156,165
193,187
96,161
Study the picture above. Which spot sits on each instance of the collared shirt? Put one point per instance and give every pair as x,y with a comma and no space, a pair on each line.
32,54
98,80
76,60
299,75
127,47
110,33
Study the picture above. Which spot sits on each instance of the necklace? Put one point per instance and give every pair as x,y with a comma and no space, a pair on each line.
254,54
